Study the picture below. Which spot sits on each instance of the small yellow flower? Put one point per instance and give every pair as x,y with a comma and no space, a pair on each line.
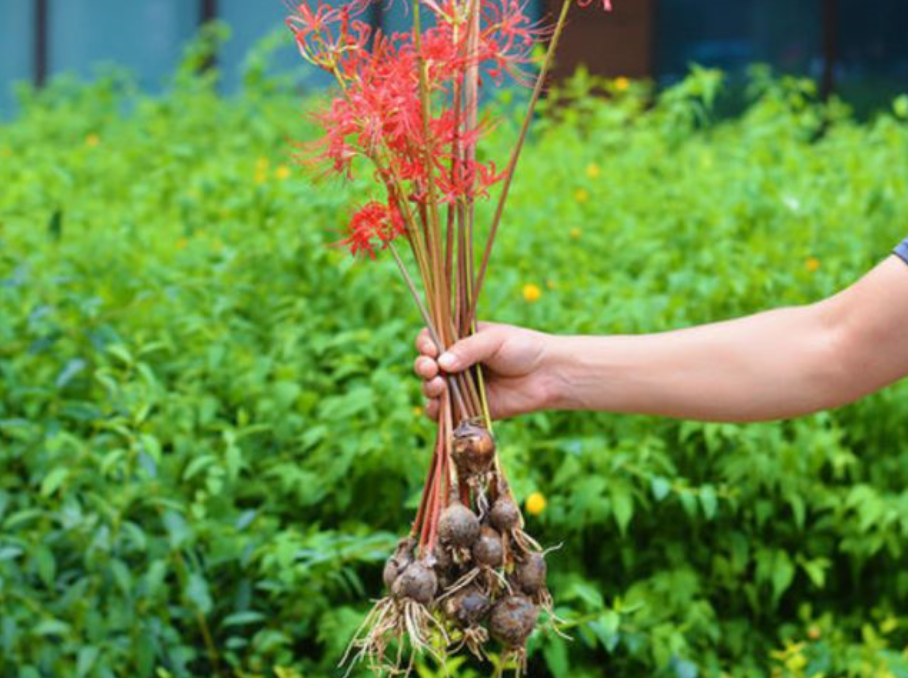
593,171
181,243
535,503
417,411
812,264
575,233
261,170
622,84
282,173
582,195
92,140
531,293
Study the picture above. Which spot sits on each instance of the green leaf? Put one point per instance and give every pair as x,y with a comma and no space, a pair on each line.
85,660
50,627
154,578
9,552
783,575
121,353
660,487
708,501
197,592
622,507
178,531
816,570
606,629
900,106
197,465
556,658
46,565
245,617
122,576
54,480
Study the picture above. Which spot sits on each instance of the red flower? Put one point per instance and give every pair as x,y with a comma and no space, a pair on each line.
378,112
374,224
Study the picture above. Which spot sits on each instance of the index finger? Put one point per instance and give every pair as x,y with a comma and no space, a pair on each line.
425,345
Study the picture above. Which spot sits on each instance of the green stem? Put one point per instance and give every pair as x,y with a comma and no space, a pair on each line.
442,291
515,155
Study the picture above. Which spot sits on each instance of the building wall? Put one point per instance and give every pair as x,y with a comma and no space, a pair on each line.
144,37
641,38
619,43
15,44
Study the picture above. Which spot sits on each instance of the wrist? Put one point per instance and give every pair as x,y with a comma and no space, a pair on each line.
558,361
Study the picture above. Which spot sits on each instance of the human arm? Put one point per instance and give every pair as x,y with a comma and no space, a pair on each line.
774,365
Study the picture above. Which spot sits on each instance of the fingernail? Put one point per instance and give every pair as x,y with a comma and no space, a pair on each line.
447,361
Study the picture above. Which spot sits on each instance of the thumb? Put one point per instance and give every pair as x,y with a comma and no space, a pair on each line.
467,352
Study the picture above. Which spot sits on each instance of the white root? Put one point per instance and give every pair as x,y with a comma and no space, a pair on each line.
525,541
518,655
473,638
404,622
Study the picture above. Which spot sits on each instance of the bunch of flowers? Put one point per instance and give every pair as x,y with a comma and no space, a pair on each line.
408,104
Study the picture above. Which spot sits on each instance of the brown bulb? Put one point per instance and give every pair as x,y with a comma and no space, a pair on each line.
474,449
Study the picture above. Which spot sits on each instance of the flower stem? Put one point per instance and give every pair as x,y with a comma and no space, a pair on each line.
433,333
515,155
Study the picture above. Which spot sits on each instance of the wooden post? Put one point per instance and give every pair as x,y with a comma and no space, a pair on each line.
40,43
208,11
377,18
830,28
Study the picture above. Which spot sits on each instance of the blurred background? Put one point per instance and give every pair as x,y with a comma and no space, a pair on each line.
854,46
210,434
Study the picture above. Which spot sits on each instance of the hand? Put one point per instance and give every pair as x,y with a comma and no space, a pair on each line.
514,362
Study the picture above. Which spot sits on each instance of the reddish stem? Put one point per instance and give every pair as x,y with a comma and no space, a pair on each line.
420,513
438,483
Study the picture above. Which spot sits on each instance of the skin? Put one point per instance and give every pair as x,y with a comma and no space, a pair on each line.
775,365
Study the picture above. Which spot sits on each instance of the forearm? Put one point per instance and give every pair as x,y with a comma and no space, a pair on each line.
773,365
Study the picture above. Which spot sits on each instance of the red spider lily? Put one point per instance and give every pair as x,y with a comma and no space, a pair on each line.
330,38
507,39
386,83
373,225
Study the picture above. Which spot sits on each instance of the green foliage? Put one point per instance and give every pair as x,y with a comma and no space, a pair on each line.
207,432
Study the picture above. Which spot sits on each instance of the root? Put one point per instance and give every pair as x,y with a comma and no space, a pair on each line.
478,485
495,578
474,638
517,655
461,583
547,604
490,581
371,639
525,542
400,622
